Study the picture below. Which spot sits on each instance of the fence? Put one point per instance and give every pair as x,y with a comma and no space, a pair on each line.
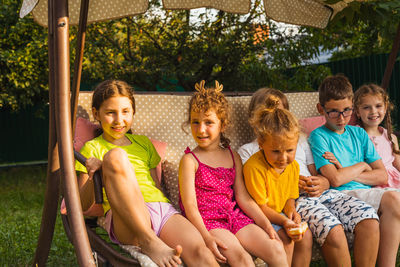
24,136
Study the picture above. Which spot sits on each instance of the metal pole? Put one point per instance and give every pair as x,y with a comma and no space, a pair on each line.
80,46
64,134
50,207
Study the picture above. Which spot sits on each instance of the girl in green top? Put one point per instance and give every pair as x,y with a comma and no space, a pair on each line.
136,210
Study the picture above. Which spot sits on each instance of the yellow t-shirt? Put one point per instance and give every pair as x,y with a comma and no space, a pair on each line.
266,186
142,155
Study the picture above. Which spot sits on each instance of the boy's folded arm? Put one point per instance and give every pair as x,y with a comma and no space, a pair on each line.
376,176
338,177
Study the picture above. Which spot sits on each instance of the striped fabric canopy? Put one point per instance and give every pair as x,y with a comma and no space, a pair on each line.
313,13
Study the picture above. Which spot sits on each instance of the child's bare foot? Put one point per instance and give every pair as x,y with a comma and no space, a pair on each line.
161,254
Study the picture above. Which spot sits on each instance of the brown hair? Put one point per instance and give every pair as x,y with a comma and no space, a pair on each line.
269,120
335,87
376,90
261,95
110,88
205,99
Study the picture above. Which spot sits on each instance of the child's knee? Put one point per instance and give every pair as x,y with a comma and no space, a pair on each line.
114,158
277,253
368,227
390,203
199,253
242,258
336,237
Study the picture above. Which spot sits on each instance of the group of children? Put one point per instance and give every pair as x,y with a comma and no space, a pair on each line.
256,202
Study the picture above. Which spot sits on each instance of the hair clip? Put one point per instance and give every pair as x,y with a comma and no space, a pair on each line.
200,86
218,87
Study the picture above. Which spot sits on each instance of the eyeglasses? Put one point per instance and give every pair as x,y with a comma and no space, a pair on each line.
335,114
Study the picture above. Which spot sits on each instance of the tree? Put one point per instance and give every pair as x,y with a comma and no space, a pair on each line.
361,29
171,49
23,59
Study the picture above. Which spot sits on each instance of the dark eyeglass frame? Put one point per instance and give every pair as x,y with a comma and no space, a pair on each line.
336,114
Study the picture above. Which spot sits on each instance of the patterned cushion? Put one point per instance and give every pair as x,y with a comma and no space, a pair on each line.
161,117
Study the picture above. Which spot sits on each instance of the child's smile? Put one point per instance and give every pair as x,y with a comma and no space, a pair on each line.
115,116
206,128
371,111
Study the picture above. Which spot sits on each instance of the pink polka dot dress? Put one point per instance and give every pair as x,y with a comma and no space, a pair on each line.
215,200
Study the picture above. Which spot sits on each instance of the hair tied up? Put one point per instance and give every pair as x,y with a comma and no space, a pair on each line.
200,86
272,103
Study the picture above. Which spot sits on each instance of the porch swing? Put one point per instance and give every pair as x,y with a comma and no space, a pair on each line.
57,16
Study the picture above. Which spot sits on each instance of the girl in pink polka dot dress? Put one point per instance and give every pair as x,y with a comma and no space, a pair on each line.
212,191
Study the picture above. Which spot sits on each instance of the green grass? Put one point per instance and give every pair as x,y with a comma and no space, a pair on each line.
21,201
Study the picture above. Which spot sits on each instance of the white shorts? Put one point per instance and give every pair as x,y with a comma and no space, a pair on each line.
372,196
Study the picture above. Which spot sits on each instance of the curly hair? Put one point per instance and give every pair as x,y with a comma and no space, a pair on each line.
376,90
212,98
270,120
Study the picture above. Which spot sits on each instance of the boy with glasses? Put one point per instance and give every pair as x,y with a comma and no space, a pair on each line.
360,168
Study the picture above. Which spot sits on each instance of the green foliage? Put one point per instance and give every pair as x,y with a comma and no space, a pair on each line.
361,29
175,49
23,59
172,48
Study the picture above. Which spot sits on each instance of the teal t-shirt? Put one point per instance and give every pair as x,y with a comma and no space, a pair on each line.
351,147
142,155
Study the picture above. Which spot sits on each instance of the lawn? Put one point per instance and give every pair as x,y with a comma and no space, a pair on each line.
21,202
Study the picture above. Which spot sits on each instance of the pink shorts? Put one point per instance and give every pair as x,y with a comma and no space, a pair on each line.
160,212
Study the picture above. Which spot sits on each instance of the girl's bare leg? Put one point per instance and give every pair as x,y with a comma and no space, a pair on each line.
303,250
235,253
179,231
366,243
335,249
389,215
256,241
131,218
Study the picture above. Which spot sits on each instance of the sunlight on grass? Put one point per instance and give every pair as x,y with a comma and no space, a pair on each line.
21,201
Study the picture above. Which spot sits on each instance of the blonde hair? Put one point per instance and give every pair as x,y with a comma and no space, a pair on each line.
261,95
376,90
270,120
205,99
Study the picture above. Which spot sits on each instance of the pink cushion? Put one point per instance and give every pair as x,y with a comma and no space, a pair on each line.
85,131
311,123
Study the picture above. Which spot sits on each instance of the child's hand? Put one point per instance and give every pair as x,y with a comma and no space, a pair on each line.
317,185
291,213
92,165
332,159
288,225
213,242
303,182
269,229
